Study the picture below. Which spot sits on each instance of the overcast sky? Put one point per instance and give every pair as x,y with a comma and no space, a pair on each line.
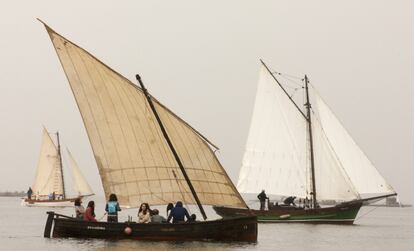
201,59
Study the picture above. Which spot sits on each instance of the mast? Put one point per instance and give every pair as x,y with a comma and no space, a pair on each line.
60,165
308,107
167,138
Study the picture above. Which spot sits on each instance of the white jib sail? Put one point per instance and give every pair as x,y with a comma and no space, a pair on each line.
275,157
354,164
80,185
48,175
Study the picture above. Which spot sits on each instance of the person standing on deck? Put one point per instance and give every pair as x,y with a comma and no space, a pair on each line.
29,193
262,198
112,208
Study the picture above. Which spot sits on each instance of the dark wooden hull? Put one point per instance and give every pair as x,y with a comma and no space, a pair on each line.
242,229
340,214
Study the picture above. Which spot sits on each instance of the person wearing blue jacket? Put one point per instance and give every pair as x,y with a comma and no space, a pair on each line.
112,208
178,213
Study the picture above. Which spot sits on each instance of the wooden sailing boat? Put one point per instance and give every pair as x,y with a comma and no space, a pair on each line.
49,177
304,153
144,153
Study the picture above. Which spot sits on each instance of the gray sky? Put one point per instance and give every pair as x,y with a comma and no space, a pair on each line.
201,59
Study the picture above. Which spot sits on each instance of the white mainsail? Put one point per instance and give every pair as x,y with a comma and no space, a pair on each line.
274,157
49,173
80,185
133,158
277,153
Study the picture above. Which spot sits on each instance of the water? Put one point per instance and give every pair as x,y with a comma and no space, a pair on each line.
21,228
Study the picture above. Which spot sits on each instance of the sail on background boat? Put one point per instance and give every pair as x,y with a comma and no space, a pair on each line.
133,158
48,177
277,151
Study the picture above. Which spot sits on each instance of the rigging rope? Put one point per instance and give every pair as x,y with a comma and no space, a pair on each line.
367,213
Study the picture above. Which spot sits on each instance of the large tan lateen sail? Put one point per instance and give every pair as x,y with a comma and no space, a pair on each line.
133,158
49,173
80,185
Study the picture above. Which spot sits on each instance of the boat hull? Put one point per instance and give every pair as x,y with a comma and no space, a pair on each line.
48,203
341,214
235,229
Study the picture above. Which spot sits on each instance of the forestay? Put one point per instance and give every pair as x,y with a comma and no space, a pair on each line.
133,158
81,186
48,175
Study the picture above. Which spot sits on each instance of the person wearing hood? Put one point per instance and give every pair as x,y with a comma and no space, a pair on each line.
178,213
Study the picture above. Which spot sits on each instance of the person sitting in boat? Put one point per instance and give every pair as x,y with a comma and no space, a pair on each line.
29,193
112,208
90,212
79,209
262,198
156,218
170,206
177,213
144,215
193,218
290,201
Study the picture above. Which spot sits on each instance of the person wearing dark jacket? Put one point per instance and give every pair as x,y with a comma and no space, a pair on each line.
290,201
112,208
178,213
262,198
29,193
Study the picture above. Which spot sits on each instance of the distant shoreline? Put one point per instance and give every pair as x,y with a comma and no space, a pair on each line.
13,194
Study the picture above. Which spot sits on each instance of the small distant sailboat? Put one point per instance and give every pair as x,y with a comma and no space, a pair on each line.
49,181
303,151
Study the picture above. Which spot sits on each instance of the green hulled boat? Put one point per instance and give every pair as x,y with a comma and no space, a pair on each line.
297,147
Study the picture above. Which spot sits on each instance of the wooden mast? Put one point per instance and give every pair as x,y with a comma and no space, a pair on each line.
308,108
60,165
167,138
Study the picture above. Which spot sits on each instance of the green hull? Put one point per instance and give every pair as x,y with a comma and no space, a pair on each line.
341,214
345,216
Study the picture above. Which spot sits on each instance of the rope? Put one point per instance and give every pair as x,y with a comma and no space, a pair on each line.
367,213
102,217
182,194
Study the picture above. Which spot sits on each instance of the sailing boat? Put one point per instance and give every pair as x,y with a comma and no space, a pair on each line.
144,153
49,181
305,153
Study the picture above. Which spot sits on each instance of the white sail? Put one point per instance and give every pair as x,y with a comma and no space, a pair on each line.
331,179
275,157
133,158
354,164
277,154
48,175
81,186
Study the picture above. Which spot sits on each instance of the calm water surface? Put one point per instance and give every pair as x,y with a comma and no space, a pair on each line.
21,228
